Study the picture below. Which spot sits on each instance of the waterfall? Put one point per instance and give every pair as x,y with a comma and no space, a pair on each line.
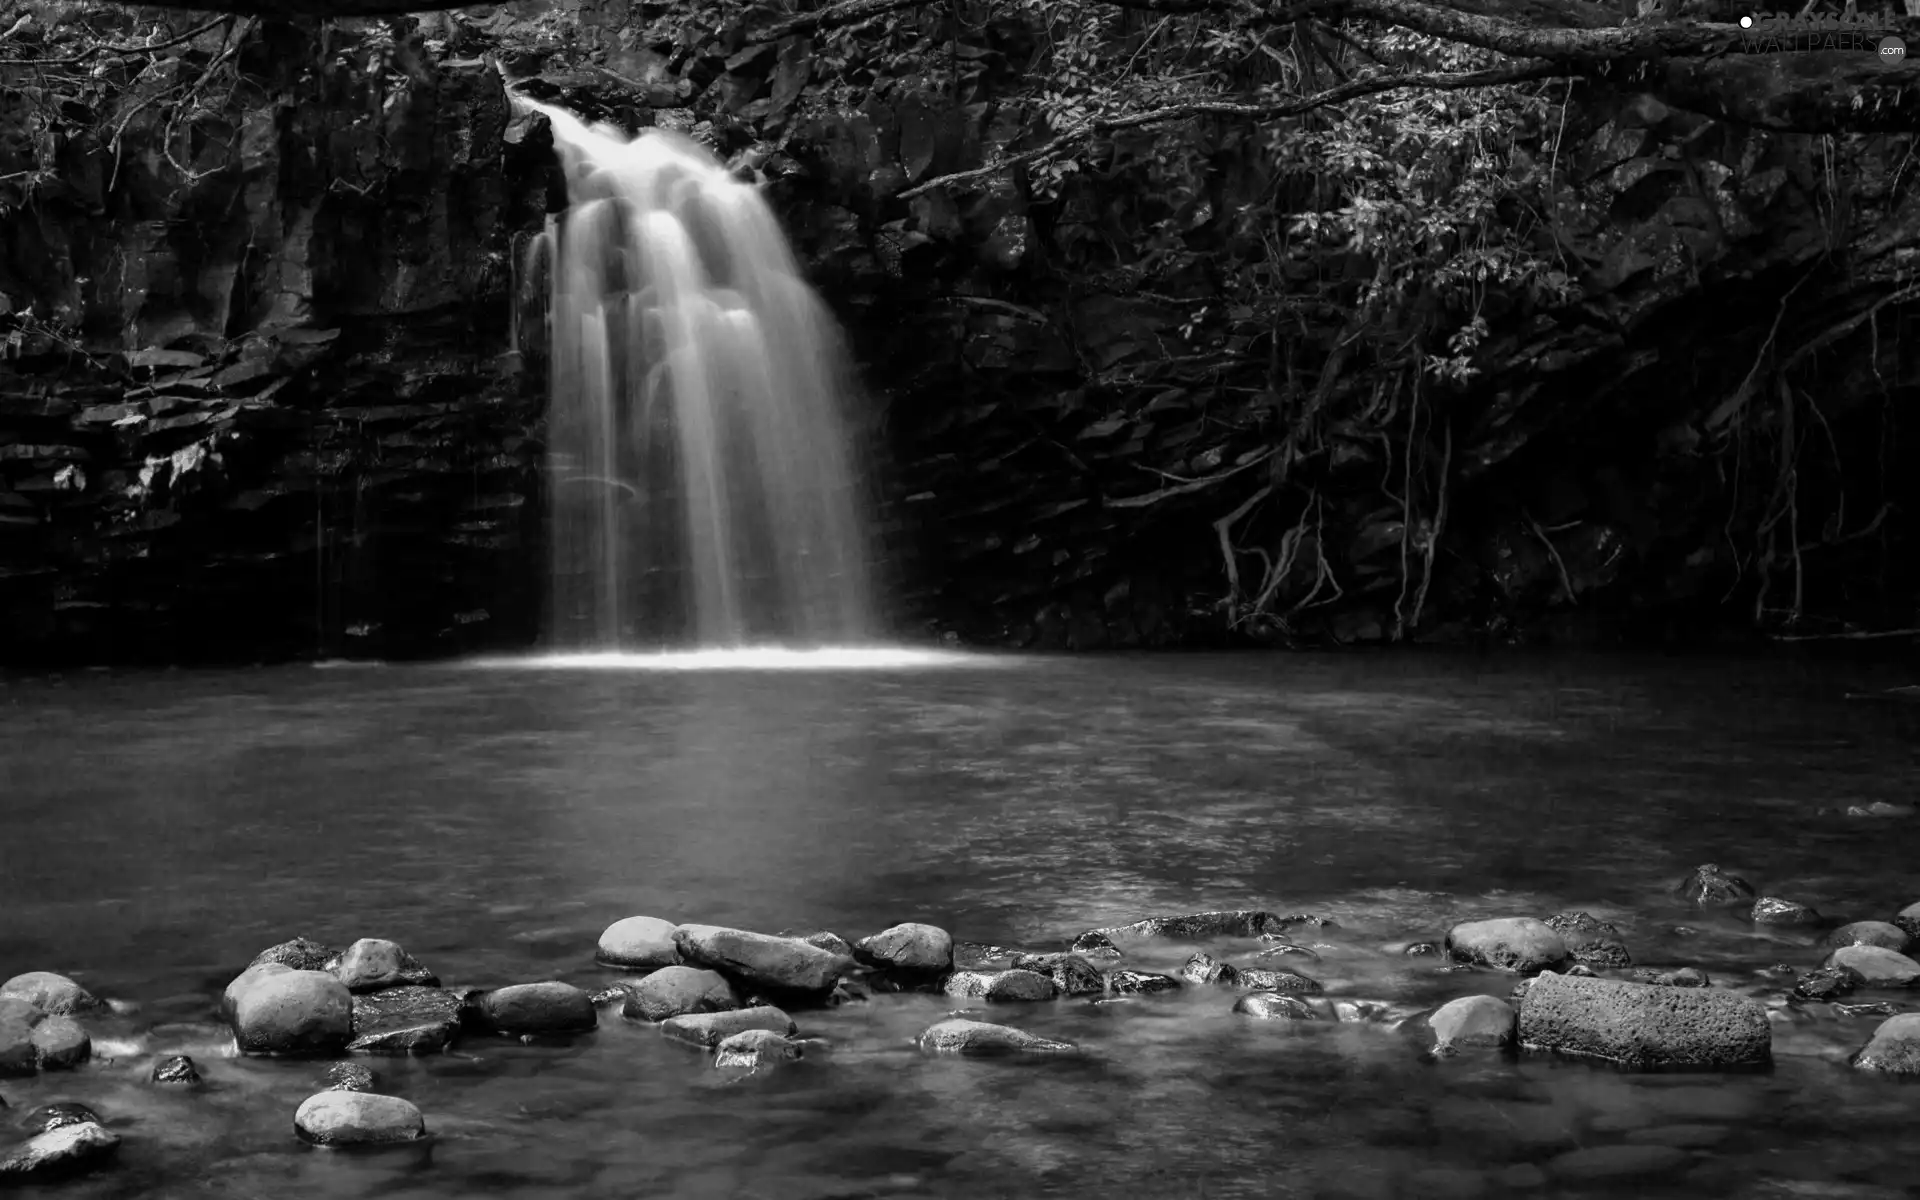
703,477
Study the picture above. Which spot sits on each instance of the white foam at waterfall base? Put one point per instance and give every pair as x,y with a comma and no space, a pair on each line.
706,487
753,658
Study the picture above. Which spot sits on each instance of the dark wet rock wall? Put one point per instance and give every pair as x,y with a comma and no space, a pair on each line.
334,449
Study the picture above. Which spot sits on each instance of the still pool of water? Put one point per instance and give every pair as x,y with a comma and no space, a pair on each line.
163,828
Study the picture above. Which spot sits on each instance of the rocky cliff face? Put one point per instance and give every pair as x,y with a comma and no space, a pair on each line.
268,399
257,398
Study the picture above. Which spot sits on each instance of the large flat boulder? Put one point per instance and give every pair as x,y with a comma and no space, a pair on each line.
1641,1025
761,959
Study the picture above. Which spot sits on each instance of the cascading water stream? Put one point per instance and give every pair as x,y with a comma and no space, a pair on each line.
704,489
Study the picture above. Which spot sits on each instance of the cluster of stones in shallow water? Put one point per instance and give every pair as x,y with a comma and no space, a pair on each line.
728,991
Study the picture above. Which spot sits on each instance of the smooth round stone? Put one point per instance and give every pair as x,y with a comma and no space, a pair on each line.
1876,966
278,1010
638,942
55,995
334,1118
1894,1048
1884,934
59,1043
1521,944
1628,1161
1774,910
371,964
546,1007
1908,919
677,991
1000,985
979,1038
908,947
57,1151
1473,1022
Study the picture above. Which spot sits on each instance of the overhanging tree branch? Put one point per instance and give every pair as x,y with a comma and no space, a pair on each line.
1352,90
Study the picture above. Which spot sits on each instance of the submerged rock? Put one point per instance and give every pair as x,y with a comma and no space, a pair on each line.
1620,1161
1201,967
371,964
340,1118
1590,940
1827,983
405,1020
755,1048
1093,944
548,1007
55,995
907,947
59,1151
176,1069
1472,1022
276,1009
58,1114
348,1077
1710,887
1876,966
957,1035
1639,1025
677,991
1191,927
638,942
1883,934
1683,977
1295,950
1139,983
300,954
1275,1006
979,956
760,959
1520,944
1773,910
832,943
711,1028
1894,1048
1072,974
1000,985
1263,979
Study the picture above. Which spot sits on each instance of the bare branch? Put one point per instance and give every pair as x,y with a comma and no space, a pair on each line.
1370,85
